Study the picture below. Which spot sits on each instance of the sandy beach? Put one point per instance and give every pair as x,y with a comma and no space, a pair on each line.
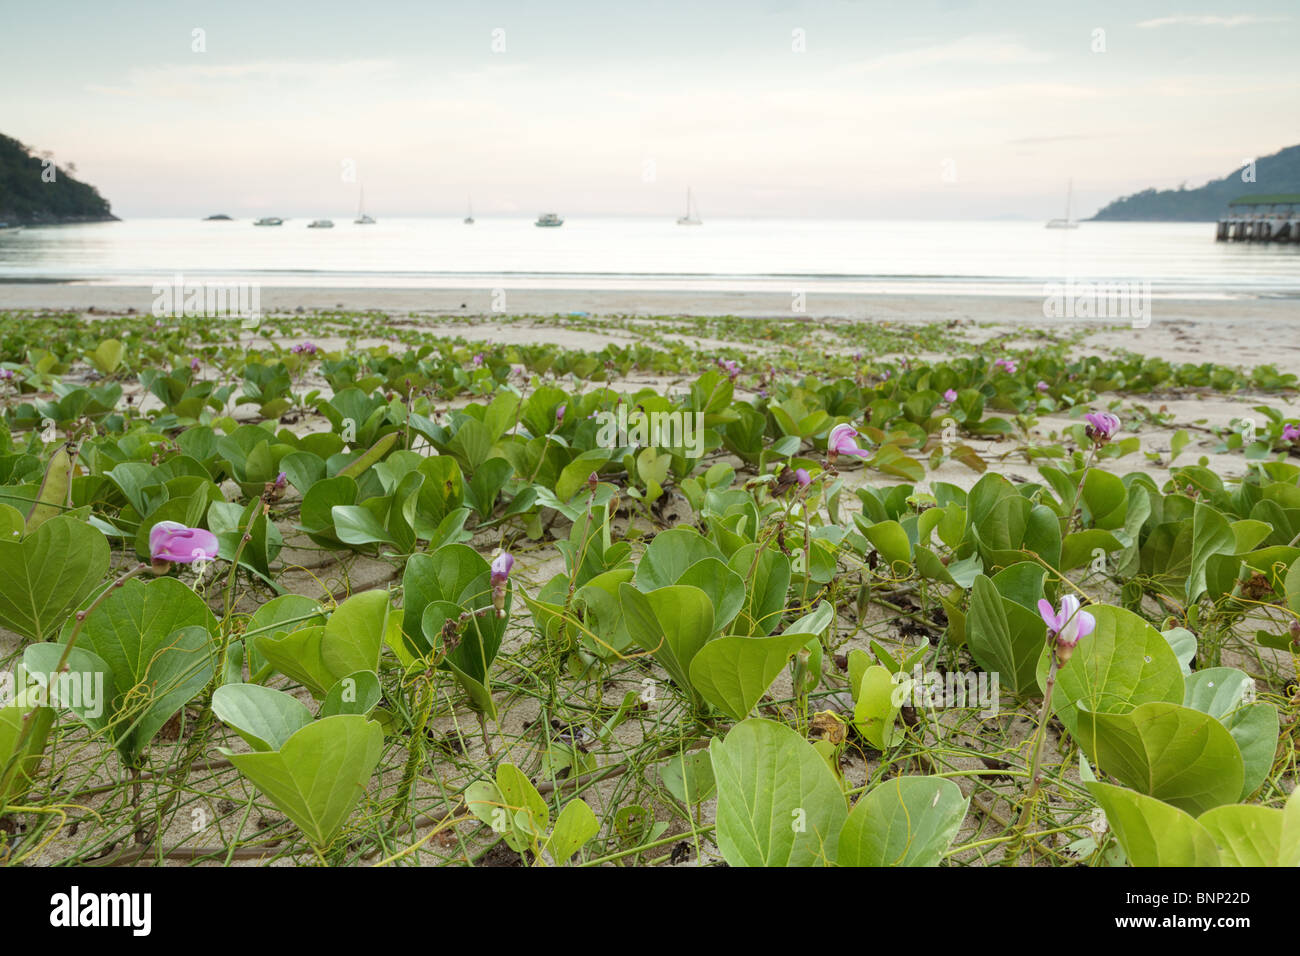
1244,331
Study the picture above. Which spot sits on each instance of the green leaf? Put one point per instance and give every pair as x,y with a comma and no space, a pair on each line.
318,657
1004,637
47,574
779,804
878,698
906,821
733,673
1249,835
1123,663
689,776
575,825
1173,753
156,640
265,718
1153,833
671,623
319,774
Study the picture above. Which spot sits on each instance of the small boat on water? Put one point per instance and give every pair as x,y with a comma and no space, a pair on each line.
1067,222
469,213
219,217
269,221
549,220
321,224
692,217
362,219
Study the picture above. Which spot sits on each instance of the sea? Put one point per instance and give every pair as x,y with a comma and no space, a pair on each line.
848,256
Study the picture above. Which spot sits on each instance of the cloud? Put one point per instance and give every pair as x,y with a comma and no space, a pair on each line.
1208,20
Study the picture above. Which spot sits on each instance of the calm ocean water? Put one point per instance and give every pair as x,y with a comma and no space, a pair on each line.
722,255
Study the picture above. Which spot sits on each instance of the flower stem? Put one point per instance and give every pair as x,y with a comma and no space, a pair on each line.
1035,766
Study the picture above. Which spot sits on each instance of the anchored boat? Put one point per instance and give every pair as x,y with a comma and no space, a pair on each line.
692,217
362,219
549,220
1067,222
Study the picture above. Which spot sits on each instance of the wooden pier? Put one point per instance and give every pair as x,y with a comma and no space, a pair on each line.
1261,219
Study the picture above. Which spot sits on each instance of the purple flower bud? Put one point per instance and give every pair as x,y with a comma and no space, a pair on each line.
194,365
559,413
281,480
1042,386
950,396
801,475
1006,364
6,374
478,360
501,566
1289,432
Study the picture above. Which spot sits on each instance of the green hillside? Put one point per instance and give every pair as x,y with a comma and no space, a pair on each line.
27,199
1278,173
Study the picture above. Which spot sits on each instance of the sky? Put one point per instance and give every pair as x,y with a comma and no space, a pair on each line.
931,109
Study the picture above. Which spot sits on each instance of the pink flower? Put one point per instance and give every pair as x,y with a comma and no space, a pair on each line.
731,368
194,365
1289,433
501,566
478,360
1006,364
171,541
1042,386
1067,625
842,441
304,348
6,374
950,396
559,413
1101,427
801,475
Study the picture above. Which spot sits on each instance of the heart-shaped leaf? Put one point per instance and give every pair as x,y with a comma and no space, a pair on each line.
319,774
264,717
1173,753
47,574
319,657
779,804
906,821
671,623
1153,833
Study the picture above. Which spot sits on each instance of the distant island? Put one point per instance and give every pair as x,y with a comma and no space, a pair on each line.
28,198
219,217
1278,173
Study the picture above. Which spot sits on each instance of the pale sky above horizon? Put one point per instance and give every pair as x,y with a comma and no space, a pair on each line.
930,109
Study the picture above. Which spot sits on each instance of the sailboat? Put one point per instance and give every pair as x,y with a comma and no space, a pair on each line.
362,219
692,217
469,212
1067,222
